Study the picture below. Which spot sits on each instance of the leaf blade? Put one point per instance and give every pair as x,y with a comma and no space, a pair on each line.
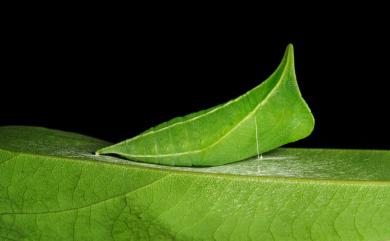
65,195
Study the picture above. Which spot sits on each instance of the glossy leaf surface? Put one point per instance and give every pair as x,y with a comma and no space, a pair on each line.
52,187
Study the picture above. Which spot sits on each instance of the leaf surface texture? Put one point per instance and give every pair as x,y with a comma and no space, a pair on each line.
52,187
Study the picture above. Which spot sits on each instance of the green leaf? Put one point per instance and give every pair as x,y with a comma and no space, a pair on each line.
52,188
270,115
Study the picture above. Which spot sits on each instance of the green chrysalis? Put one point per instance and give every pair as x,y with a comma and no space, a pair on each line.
266,117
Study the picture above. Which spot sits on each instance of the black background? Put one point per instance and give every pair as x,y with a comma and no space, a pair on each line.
114,75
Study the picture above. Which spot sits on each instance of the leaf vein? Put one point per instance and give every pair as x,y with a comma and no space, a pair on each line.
86,206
